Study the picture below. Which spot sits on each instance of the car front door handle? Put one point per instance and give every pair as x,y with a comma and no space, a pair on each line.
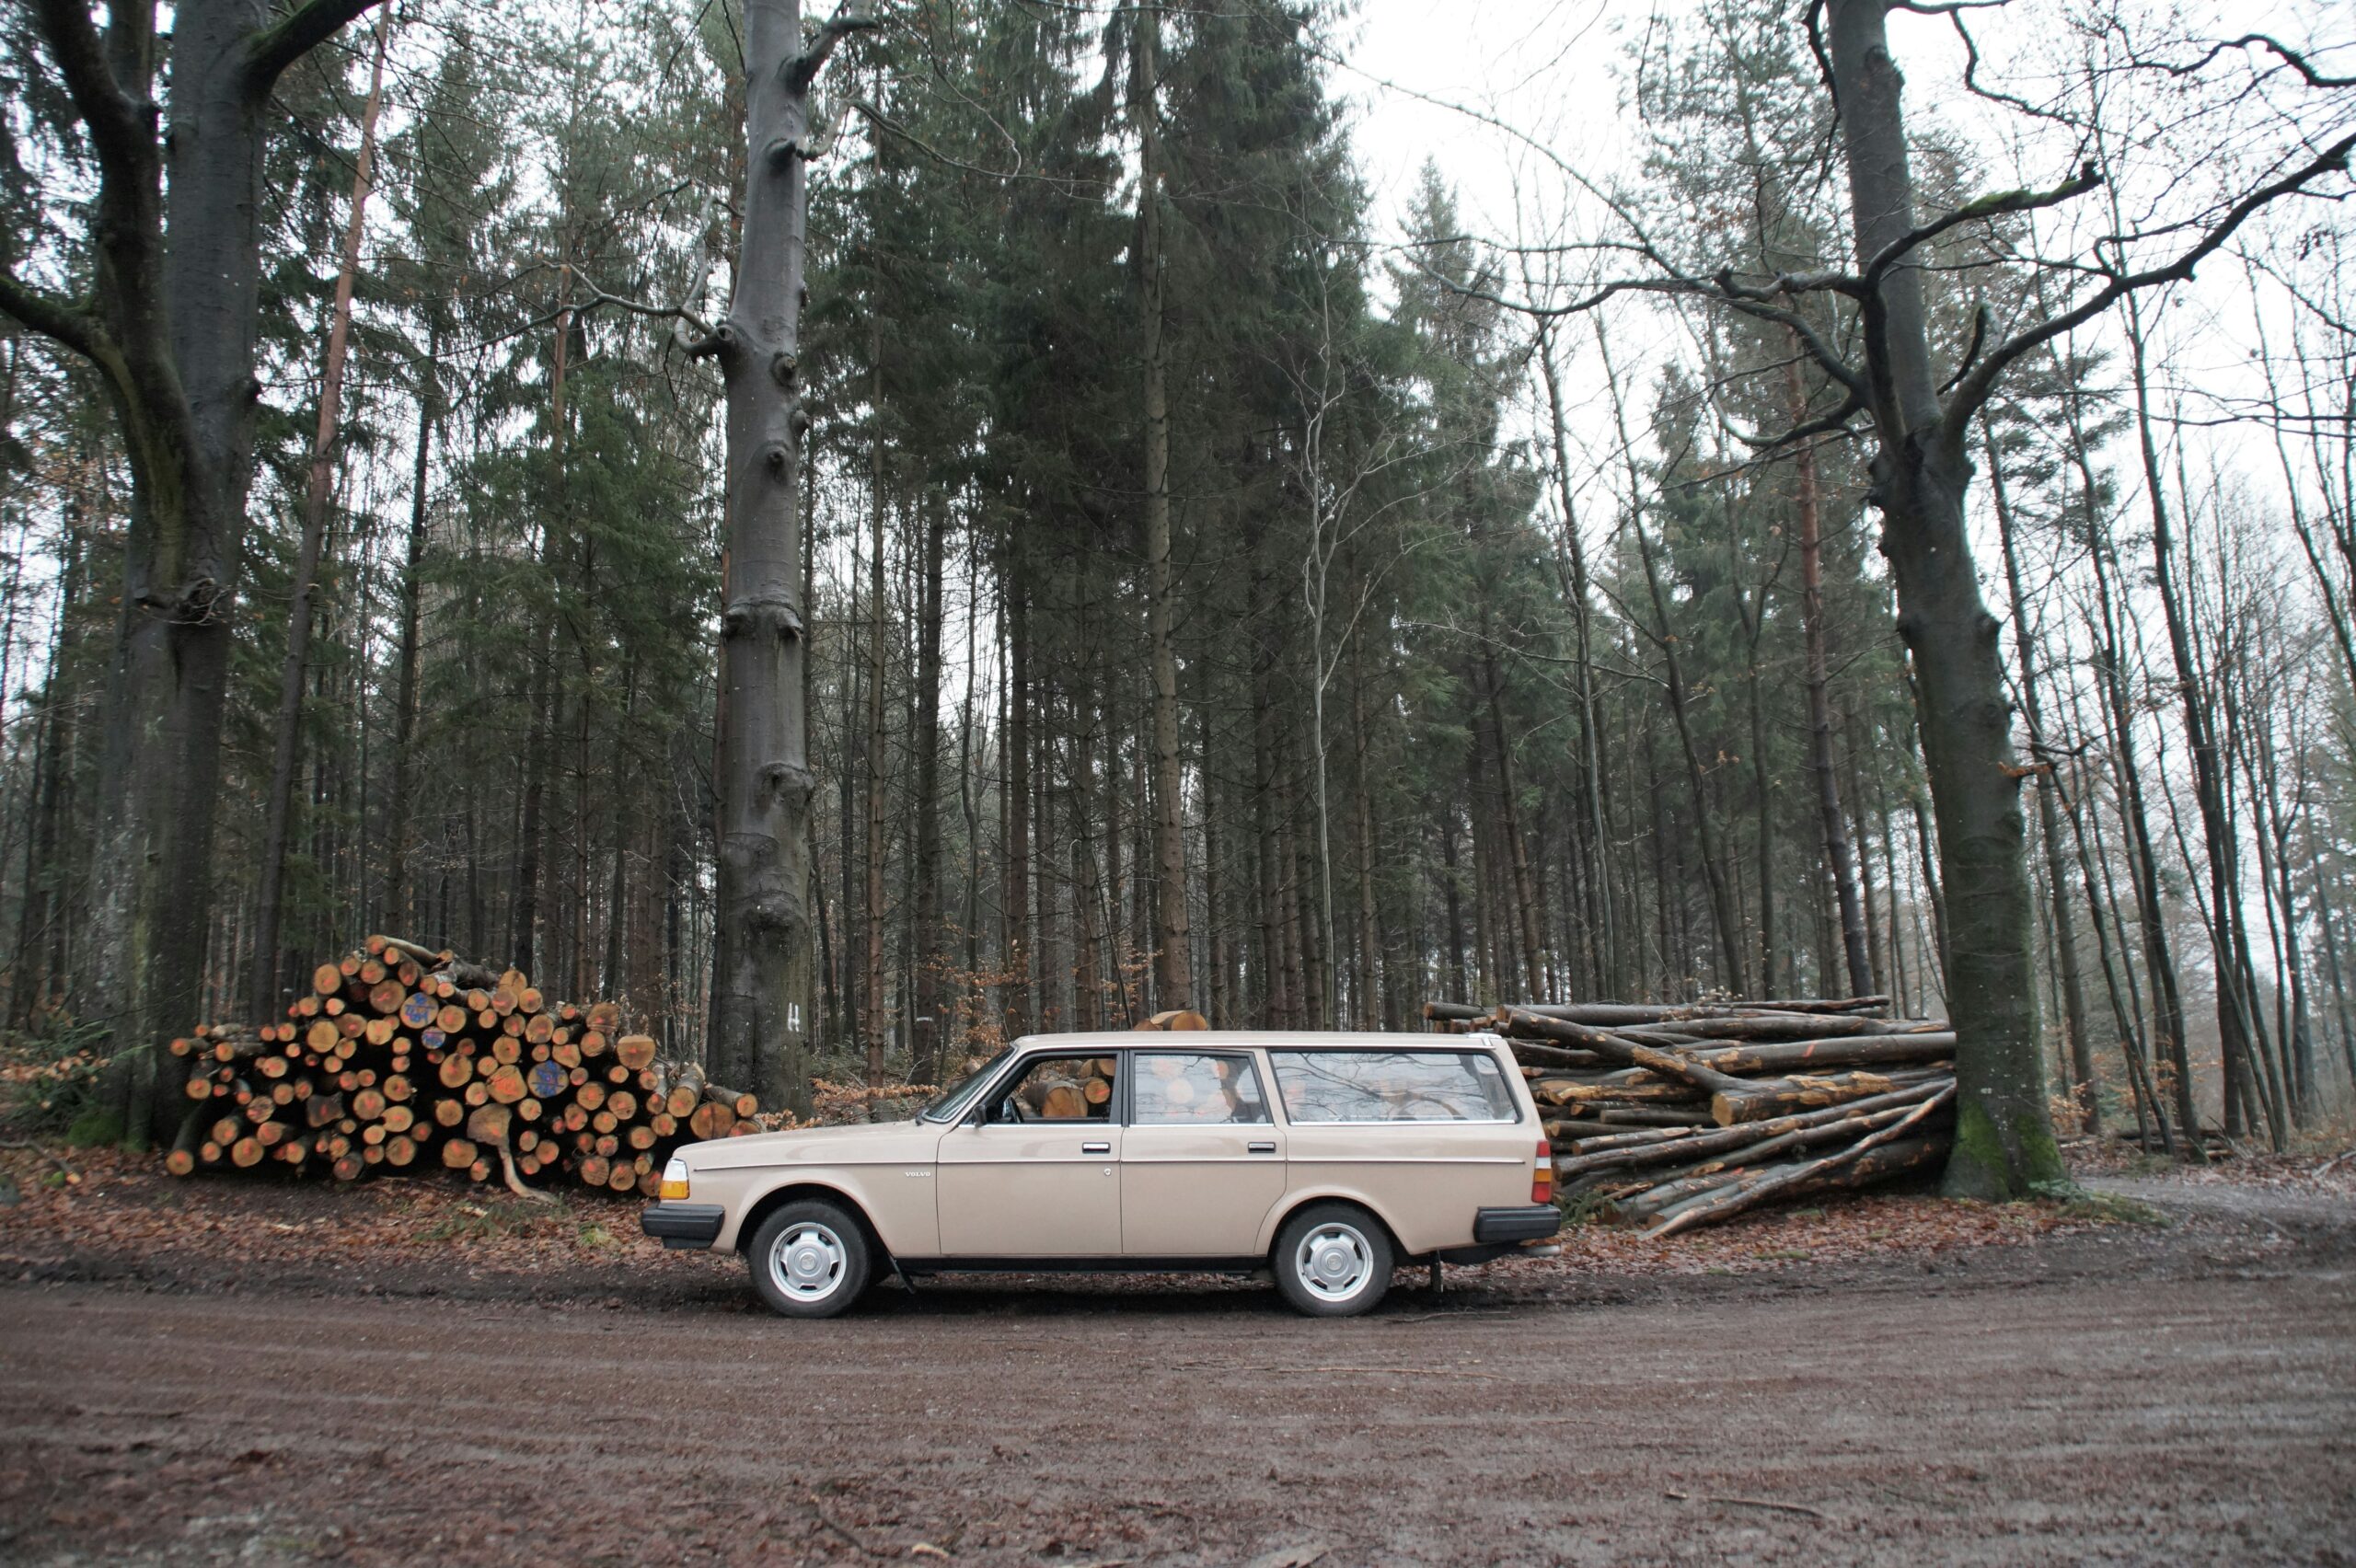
1261,1147
1096,1148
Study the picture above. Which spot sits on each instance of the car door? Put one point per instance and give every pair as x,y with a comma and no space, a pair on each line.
1202,1160
1035,1171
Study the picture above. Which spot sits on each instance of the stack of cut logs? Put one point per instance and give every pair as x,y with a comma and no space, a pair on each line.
402,1054
1675,1116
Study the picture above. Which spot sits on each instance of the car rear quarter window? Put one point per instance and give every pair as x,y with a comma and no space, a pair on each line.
1392,1086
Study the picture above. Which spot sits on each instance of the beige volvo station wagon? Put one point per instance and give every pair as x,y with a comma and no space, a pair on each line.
1324,1159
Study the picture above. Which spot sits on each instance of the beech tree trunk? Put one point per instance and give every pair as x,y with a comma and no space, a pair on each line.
761,967
2003,1144
170,326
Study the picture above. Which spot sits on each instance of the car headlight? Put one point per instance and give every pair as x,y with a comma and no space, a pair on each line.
674,1180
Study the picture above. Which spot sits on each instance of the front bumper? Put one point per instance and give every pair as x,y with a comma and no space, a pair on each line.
680,1226
1525,1222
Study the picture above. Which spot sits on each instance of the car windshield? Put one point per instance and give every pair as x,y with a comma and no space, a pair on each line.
948,1106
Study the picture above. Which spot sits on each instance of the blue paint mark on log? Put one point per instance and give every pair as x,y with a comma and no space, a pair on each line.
548,1079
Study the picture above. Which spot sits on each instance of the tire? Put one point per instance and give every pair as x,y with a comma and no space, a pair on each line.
809,1259
1331,1260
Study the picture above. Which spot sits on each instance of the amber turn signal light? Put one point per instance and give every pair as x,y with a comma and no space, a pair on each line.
1541,1179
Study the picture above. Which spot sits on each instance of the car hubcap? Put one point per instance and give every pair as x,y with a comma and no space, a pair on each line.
806,1263
1334,1262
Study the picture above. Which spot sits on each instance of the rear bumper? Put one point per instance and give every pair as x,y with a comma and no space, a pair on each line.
683,1225
1526,1222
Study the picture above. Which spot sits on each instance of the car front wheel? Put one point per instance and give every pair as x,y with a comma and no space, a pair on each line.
1333,1261
809,1259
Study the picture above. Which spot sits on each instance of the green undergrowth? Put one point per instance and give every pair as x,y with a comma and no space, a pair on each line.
49,1077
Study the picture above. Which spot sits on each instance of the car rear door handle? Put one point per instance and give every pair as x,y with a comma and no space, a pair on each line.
1261,1147
1096,1148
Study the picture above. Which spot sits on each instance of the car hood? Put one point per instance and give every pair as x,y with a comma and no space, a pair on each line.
864,1142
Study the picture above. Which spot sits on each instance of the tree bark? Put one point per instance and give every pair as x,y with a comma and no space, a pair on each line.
761,968
171,329
2004,1144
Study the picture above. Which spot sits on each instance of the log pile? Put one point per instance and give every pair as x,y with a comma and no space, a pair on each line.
401,1056
1676,1116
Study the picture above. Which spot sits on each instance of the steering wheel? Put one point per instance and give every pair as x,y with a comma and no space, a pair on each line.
1010,1110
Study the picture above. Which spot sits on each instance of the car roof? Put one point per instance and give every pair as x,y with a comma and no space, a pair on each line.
1239,1039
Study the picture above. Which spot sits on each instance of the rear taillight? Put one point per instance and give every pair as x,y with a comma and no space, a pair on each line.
1542,1178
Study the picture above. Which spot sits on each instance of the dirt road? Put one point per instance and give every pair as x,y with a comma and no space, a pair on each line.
2186,1396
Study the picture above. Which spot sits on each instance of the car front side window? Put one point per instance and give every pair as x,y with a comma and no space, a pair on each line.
1059,1089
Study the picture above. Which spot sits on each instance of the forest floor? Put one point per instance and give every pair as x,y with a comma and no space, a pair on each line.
230,1369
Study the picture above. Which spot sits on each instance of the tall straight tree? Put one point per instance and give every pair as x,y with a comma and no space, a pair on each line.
170,324
762,967
279,805
1174,943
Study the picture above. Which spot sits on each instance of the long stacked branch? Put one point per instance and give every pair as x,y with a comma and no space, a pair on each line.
400,1052
1675,1116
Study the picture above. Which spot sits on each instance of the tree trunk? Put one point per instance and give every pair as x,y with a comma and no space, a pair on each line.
1173,959
2003,1144
2233,1017
925,1004
761,970
1589,842
279,803
412,598
525,914
182,384
1839,861
2167,999
1014,746
2079,1044
877,747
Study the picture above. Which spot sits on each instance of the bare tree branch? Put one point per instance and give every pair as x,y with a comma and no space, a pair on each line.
1973,390
804,68
276,48
2290,57
1996,205
118,130
69,325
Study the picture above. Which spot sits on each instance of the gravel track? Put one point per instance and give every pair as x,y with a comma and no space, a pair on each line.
2186,1395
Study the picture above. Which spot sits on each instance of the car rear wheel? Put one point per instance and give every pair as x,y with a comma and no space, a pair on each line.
809,1259
1333,1261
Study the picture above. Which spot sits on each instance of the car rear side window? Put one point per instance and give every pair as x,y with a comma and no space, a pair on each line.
1188,1088
1393,1086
